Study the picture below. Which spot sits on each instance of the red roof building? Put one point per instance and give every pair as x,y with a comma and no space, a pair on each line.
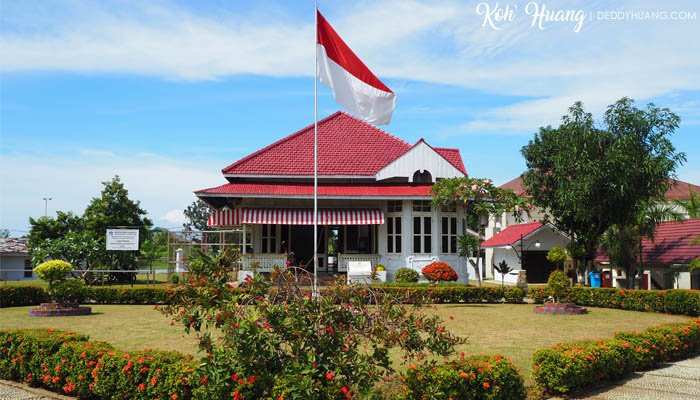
679,190
373,191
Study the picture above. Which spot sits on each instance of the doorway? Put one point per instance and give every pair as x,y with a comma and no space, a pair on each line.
302,244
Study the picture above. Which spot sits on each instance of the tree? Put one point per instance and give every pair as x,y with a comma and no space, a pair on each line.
557,256
480,198
589,179
503,269
624,246
692,205
114,208
155,246
197,214
48,228
79,248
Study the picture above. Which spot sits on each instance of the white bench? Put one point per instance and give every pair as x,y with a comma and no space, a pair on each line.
359,271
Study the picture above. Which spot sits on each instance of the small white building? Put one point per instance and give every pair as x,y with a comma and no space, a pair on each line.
15,263
373,197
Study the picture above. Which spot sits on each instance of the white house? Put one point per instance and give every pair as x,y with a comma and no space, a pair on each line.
374,200
15,264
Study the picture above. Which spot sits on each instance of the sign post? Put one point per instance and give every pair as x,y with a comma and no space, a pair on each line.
123,239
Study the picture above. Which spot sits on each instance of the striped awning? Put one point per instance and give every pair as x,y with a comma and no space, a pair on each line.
297,216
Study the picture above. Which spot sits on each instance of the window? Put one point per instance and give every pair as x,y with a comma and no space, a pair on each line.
421,234
359,239
422,177
421,206
27,268
448,234
269,239
394,206
393,234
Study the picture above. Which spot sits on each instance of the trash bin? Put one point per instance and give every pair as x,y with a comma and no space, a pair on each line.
594,277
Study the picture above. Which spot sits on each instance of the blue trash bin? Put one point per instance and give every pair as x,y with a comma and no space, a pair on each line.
594,277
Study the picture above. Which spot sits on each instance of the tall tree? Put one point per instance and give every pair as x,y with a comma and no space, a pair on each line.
480,198
692,205
48,228
197,214
114,208
590,178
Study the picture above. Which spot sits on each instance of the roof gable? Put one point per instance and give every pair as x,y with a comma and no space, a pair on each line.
347,146
425,158
512,234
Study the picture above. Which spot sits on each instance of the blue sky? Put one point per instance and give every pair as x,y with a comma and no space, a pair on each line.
165,93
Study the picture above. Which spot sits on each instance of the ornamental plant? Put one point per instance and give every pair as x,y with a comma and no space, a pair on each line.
559,284
53,271
439,271
276,340
556,255
60,290
406,275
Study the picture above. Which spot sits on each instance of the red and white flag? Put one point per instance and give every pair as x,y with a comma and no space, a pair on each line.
354,86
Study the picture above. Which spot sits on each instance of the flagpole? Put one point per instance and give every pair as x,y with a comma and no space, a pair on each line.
315,288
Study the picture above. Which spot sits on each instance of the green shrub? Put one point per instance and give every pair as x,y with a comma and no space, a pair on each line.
406,275
679,301
452,293
476,377
53,270
18,296
558,283
67,363
68,291
175,279
570,366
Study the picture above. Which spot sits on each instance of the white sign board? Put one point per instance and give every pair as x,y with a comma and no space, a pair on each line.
123,239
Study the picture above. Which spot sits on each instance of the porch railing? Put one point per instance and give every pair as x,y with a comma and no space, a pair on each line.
343,260
266,261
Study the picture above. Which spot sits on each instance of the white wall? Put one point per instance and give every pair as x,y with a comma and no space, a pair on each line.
13,262
421,155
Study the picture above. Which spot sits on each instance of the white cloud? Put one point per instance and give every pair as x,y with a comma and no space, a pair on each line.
162,185
175,217
438,42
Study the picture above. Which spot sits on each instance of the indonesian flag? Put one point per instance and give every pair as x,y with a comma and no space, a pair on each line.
354,86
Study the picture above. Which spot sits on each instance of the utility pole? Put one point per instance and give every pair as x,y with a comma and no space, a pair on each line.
46,205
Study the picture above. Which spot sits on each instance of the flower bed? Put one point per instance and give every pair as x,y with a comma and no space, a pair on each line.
475,377
569,366
59,310
678,301
453,294
16,296
68,363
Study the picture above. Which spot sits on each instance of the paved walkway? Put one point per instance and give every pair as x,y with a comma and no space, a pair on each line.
675,381
17,391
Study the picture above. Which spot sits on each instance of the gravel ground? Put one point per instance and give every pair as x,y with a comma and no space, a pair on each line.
17,391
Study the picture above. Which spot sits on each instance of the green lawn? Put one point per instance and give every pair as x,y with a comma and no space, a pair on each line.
513,331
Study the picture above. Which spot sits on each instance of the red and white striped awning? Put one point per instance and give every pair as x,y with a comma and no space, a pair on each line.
297,216
225,218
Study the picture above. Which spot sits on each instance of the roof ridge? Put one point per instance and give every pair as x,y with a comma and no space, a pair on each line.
280,141
373,126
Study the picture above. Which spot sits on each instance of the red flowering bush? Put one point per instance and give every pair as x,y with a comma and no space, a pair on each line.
70,364
570,366
475,377
439,271
275,340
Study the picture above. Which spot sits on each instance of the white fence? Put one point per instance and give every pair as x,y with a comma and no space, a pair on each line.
344,259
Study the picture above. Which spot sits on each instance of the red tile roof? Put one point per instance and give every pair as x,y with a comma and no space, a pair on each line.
346,146
304,190
671,244
679,189
511,234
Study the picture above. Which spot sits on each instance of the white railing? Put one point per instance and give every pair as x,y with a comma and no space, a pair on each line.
266,261
344,259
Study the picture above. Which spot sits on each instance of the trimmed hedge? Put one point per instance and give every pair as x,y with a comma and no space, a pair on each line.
68,363
14,296
570,366
678,301
446,294
474,377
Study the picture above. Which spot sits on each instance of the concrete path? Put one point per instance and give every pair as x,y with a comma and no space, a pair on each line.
16,391
675,381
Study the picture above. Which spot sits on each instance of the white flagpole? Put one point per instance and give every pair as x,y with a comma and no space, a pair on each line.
315,288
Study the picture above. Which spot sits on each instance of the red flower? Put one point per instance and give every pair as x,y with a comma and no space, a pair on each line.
487,385
463,374
174,396
252,379
141,387
330,376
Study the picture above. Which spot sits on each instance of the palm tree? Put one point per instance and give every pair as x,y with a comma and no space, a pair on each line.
624,243
692,205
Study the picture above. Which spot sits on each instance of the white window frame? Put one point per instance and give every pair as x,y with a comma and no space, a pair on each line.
451,233
419,208
392,236
272,233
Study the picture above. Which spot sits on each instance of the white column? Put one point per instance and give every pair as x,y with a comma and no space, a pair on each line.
406,230
179,260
